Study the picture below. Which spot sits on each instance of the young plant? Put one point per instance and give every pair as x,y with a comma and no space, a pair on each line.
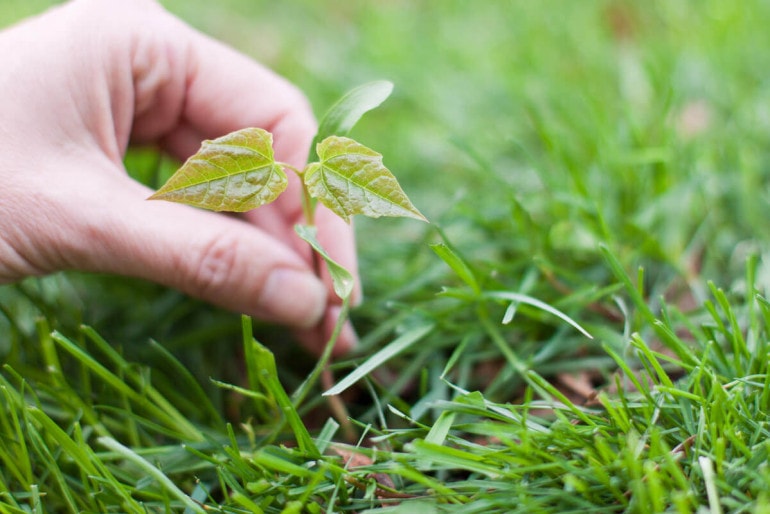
237,173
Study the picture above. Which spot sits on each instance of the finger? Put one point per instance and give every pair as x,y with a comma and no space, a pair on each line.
217,89
222,260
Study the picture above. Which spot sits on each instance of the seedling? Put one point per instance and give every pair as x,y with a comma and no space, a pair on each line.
238,172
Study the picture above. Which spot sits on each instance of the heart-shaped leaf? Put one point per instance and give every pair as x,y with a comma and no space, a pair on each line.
351,179
343,115
236,173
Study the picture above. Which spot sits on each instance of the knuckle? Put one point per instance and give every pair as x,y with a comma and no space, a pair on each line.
13,266
215,266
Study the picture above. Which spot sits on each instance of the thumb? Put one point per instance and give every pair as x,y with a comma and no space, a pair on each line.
214,257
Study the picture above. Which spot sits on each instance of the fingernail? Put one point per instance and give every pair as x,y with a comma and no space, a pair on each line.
293,297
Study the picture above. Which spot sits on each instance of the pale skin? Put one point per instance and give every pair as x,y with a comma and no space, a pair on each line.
82,82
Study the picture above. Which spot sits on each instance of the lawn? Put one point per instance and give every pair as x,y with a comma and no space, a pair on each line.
584,326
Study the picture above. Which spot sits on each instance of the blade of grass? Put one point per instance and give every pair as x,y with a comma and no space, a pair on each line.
326,436
440,429
454,458
395,347
80,453
252,369
268,377
165,413
176,419
546,386
735,334
153,472
534,302
322,364
18,460
187,382
707,469
458,265
633,291
47,459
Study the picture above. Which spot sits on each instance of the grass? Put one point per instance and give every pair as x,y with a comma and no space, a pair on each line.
597,166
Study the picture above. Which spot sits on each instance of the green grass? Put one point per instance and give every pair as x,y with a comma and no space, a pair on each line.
600,163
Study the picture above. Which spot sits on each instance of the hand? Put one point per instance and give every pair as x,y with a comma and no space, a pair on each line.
83,81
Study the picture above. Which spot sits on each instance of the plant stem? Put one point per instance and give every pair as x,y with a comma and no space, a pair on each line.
299,395
308,210
321,368
308,204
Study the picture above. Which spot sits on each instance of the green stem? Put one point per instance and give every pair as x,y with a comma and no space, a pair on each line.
308,204
299,395
308,208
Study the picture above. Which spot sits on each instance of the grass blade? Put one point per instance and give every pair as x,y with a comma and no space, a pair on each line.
534,302
457,264
395,347
152,471
153,402
268,375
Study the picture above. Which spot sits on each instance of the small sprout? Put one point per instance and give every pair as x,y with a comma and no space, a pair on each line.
238,172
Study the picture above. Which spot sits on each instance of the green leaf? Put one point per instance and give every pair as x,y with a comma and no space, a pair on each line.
343,115
268,375
534,302
351,179
236,173
395,347
440,429
342,280
148,469
458,265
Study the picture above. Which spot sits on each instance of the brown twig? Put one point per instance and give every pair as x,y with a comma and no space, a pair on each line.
337,406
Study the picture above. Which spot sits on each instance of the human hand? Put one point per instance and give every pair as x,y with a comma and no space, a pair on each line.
82,81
